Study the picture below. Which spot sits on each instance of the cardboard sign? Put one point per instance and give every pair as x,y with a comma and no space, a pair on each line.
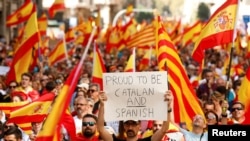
135,96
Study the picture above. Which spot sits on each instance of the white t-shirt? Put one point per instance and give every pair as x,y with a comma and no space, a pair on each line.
78,124
190,136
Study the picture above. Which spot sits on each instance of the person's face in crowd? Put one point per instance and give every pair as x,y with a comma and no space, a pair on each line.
157,125
211,119
209,76
208,107
12,86
44,80
93,92
131,128
81,105
237,111
88,127
198,121
36,126
25,81
11,137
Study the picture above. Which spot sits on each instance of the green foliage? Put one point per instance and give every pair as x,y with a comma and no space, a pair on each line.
144,16
203,12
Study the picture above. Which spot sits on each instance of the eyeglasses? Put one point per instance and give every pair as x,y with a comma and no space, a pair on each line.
91,91
88,123
80,104
237,108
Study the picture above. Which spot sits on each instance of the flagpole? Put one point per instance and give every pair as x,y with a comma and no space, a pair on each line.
231,53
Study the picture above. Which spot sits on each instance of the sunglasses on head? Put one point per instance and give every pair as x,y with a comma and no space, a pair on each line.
88,123
238,108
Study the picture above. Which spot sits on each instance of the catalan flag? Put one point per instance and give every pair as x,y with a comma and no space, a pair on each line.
189,33
23,55
244,95
186,104
22,14
11,106
98,67
144,37
218,30
61,103
58,5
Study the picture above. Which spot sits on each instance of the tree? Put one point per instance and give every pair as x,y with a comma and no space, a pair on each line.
203,12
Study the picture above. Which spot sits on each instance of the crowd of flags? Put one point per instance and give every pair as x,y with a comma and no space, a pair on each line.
152,38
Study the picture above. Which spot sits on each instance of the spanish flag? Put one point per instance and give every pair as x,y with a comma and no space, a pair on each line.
130,67
58,5
244,95
98,67
42,24
61,103
218,30
58,53
23,55
22,14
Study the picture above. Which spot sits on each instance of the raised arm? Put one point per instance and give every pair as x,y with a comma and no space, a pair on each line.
105,135
158,135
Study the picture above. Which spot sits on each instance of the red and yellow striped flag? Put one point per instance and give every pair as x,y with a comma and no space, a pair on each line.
98,67
42,24
189,33
186,104
58,53
22,14
23,54
60,106
219,29
130,67
244,95
11,106
58,5
144,37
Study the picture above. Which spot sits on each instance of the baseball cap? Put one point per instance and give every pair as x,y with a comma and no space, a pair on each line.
83,85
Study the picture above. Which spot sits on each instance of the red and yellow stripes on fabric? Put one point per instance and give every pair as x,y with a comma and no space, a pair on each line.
23,55
56,6
60,106
190,32
35,111
248,48
244,95
130,67
144,37
11,106
219,29
42,24
22,14
26,127
144,62
185,99
70,35
57,54
98,67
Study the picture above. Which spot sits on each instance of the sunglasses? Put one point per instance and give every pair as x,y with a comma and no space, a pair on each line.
91,91
238,109
12,87
88,123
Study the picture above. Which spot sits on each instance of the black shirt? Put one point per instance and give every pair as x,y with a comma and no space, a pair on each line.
144,139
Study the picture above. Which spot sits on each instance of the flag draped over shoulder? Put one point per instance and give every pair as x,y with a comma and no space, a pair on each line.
56,6
186,104
61,103
98,67
23,55
218,30
244,95
22,14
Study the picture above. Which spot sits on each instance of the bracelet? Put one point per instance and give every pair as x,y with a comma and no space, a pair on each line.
169,110
224,115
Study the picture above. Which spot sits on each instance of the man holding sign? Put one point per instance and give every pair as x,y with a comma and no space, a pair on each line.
133,97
